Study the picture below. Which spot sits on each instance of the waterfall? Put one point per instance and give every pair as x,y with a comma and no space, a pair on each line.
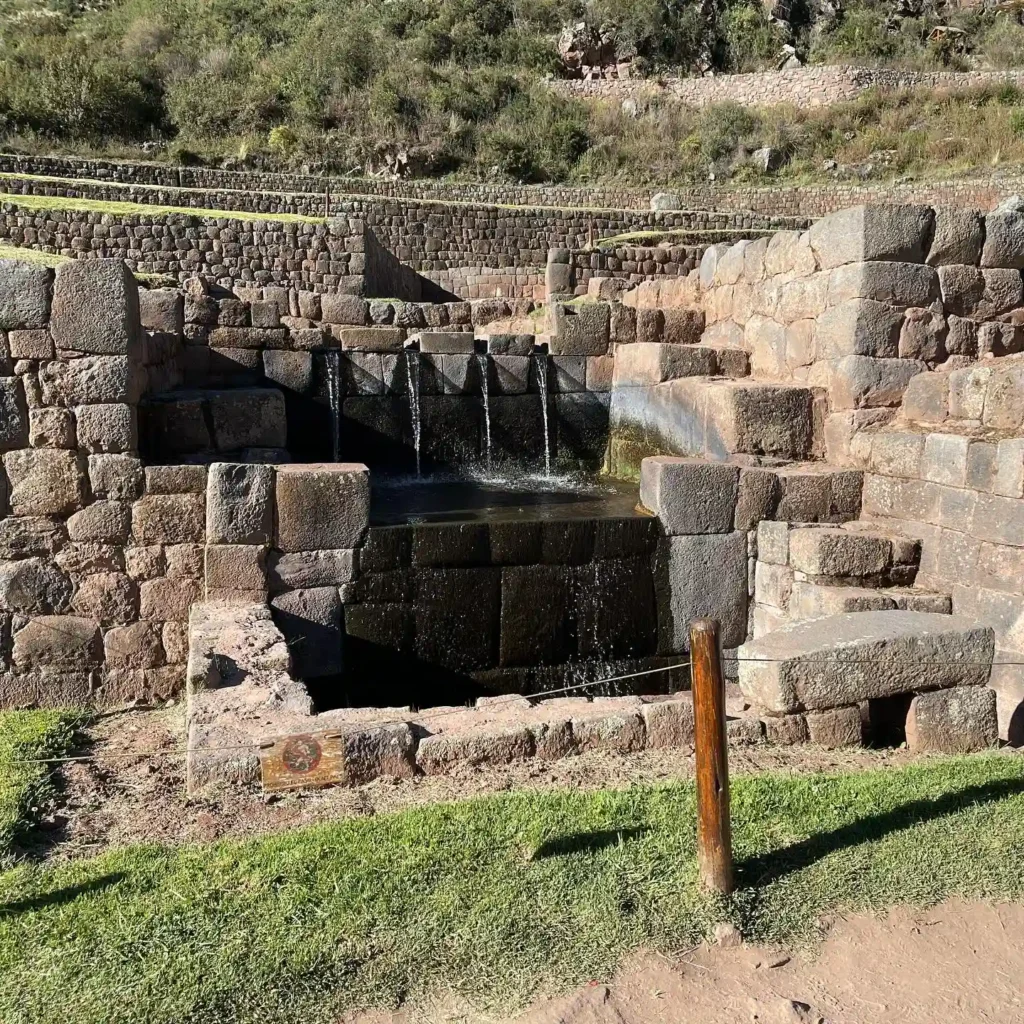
542,377
332,364
412,365
484,388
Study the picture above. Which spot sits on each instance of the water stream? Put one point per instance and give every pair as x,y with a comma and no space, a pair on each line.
333,366
412,363
485,390
542,380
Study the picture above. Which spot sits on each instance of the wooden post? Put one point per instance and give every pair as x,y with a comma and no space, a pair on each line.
714,833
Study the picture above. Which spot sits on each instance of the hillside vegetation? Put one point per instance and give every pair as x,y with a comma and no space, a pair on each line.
451,86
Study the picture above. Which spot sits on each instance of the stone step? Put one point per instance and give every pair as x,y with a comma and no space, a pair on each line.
842,660
647,363
717,417
810,600
816,551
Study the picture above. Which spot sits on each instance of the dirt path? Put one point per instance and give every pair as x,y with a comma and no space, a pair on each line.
958,963
134,790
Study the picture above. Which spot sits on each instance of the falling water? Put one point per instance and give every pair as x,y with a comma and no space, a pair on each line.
412,364
333,369
482,363
542,377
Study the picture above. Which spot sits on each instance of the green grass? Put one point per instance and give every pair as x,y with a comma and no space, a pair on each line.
491,898
54,260
27,734
148,209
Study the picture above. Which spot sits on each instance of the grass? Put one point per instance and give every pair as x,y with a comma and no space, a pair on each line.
54,260
23,787
147,209
491,898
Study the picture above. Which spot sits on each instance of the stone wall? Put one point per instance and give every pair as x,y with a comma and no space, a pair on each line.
100,557
570,271
798,87
950,473
471,250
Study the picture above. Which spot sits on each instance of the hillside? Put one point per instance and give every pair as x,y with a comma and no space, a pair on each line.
456,87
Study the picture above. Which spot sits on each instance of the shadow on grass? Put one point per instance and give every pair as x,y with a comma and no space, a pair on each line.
769,867
586,842
59,896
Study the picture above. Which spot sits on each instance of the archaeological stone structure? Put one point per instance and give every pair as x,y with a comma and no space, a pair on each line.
400,523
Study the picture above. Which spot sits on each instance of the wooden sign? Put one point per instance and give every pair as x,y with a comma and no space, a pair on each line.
303,761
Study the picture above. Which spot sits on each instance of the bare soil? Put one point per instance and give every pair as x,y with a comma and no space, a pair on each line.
131,787
957,963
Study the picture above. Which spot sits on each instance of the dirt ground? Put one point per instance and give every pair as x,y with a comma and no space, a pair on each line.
957,963
131,787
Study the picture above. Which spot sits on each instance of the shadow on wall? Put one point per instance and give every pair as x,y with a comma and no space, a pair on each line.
386,277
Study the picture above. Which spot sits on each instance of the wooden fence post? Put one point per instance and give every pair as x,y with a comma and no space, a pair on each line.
714,833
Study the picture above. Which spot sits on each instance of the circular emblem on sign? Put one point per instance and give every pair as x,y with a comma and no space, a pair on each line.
301,754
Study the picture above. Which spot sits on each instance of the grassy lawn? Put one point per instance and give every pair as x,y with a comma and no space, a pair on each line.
489,897
26,734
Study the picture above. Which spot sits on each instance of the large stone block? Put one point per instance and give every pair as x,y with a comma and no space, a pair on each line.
923,335
162,309
823,552
311,621
898,284
1004,240
137,645
14,421
837,727
33,586
239,504
321,506
332,568
90,380
66,642
169,519
897,453
24,295
248,418
168,600
457,617
106,522
235,569
958,238
640,365
581,329
537,615
116,477
51,428
690,495
844,659
682,326
95,308
493,745
953,720
44,481
107,428
291,370
859,327
701,576
108,598
669,723
862,382
860,233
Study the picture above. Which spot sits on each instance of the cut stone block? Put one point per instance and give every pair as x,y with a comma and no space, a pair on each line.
1004,240
90,380
248,418
872,233
702,576
169,519
95,308
239,504
437,754
623,733
14,420
958,238
845,659
162,309
581,329
33,586
66,642
44,481
837,727
333,568
107,428
898,284
824,552
690,495
953,720
311,621
24,295
643,364
669,723
323,506
860,382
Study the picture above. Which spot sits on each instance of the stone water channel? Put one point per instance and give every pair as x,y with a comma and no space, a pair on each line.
498,560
